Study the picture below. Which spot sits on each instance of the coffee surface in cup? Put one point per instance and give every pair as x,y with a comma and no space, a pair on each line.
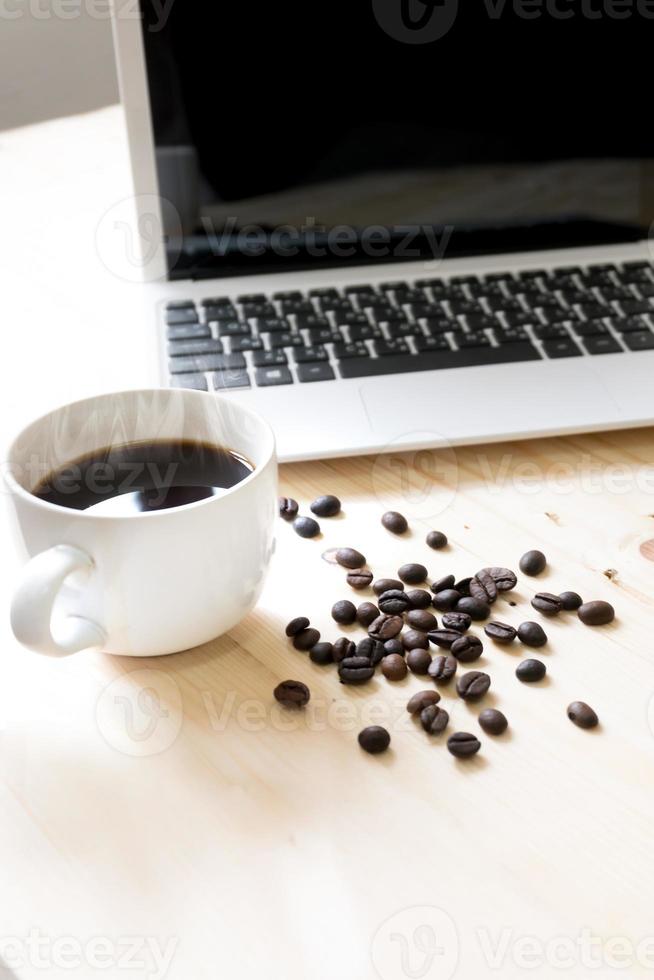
141,477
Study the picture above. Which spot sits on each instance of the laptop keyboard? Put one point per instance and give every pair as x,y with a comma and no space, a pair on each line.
397,327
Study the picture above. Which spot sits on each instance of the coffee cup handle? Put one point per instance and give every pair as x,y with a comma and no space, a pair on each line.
33,603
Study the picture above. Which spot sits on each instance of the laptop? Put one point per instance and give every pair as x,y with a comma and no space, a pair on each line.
396,224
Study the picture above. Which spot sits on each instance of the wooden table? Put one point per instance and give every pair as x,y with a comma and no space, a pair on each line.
171,801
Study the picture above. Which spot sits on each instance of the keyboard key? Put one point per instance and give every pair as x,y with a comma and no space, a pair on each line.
646,289
325,292
197,381
185,348
315,372
252,298
404,329
233,328
217,301
431,343
385,348
246,343
394,287
518,319
308,321
188,331
365,333
552,317
290,294
467,307
497,303
205,362
471,339
345,351
326,335
438,360
286,340
219,313
479,321
565,347
360,291
555,332
640,340
302,355
181,304
629,324
272,324
594,311
231,379
299,307
440,325
352,319
269,358
590,328
268,376
256,310
602,345
510,335
630,307
336,305
182,316
427,311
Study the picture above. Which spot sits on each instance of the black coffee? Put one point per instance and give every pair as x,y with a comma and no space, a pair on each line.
140,477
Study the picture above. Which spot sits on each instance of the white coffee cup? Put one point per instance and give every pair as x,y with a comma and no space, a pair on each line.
142,584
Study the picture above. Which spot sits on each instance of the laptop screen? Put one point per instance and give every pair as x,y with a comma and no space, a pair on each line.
303,134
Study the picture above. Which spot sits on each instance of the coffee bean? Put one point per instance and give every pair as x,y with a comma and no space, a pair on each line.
394,602
355,670
467,648
463,586
344,612
288,508
457,621
500,632
434,719
349,558
530,670
394,522
418,661
493,721
394,645
414,640
322,654
297,625
367,613
394,667
306,639
446,600
447,582
306,527
342,649
373,650
533,562
463,744
420,619
359,579
355,662
412,573
436,540
374,739
475,608
327,506
443,668
582,714
532,635
387,585
596,613
385,627
473,685
570,601
504,578
420,700
419,598
292,694
547,603
443,638
483,587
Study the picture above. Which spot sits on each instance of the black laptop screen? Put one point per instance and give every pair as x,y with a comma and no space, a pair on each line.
298,134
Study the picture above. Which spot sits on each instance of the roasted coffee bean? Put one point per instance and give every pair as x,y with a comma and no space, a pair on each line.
292,694
322,653
457,621
349,558
500,632
443,668
394,602
570,601
420,619
530,670
374,739
394,646
441,584
306,527
446,600
582,714
463,586
418,661
493,721
288,508
532,635
419,598
414,640
596,613
387,585
547,603
420,700
504,578
412,573
483,587
355,670
395,522
326,506
306,639
373,650
434,719
467,648
394,667
443,638
463,744
385,627
297,625
343,648
475,608
359,579
436,540
533,562
473,685
344,612
367,613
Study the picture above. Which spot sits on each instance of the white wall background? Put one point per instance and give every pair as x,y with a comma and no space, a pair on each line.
56,58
